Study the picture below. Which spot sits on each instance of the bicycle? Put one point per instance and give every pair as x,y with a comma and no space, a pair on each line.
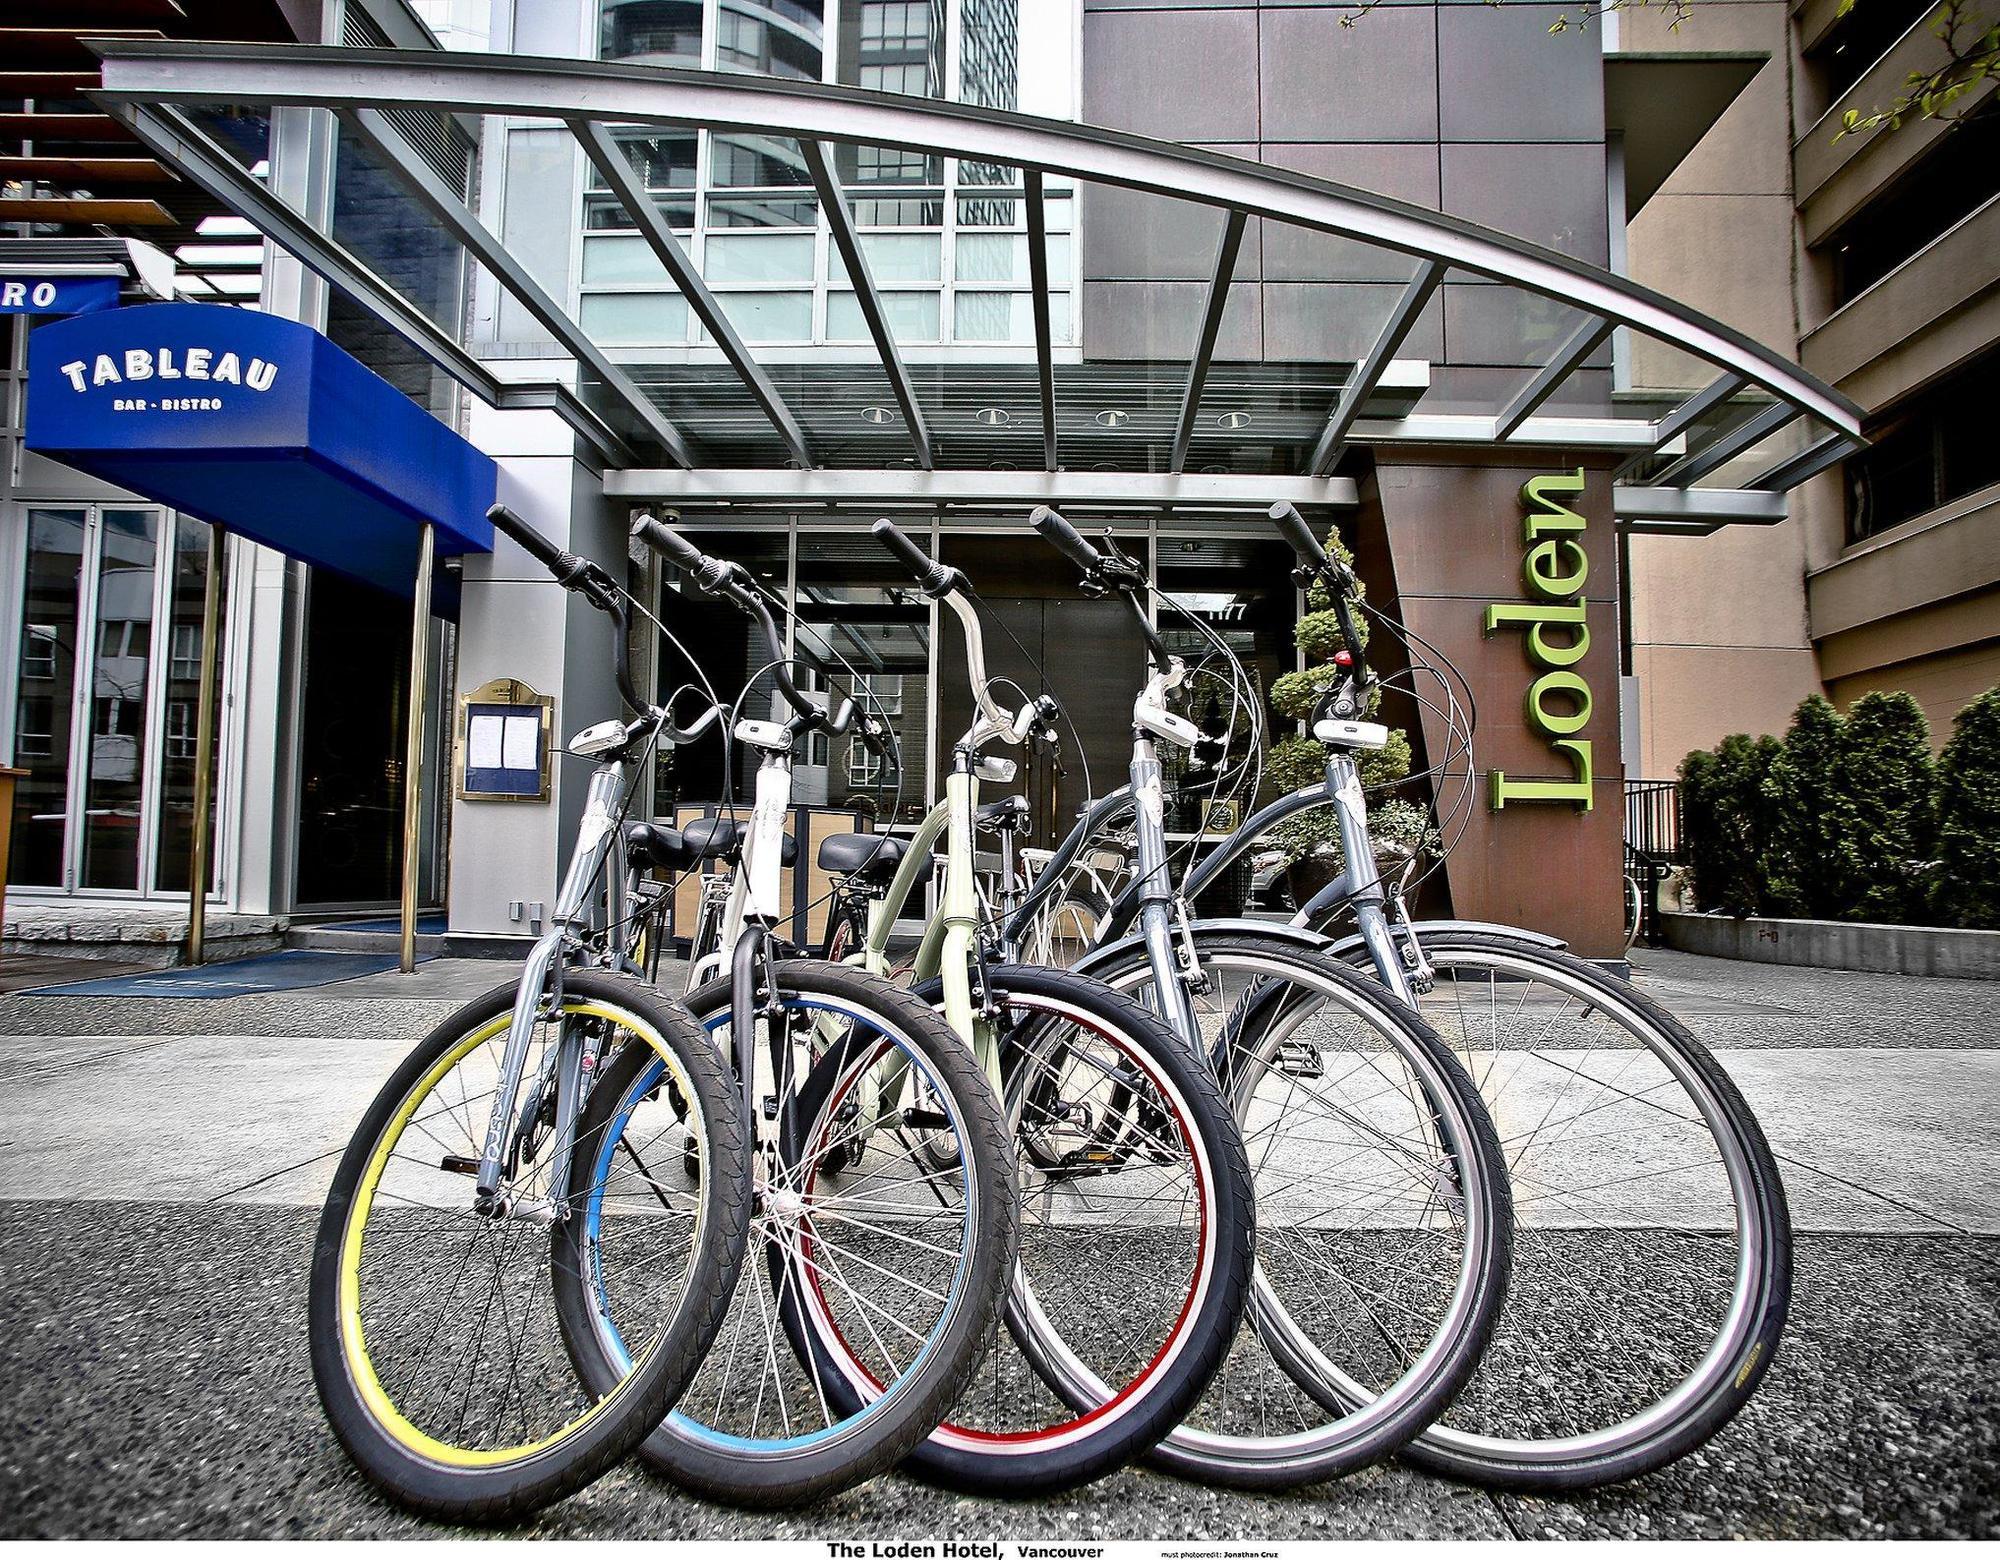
1135,1237
1690,1239
1231,1436
884,1286
452,1266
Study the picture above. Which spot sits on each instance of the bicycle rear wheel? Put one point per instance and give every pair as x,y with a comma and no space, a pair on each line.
1652,1249
897,1266
438,1338
1136,1242
1383,1226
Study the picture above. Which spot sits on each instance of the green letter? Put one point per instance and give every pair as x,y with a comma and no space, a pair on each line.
1540,566
1558,682
1552,516
1575,791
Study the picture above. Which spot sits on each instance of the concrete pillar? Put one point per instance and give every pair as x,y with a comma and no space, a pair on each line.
517,622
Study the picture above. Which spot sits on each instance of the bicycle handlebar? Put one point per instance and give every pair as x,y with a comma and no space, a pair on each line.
1292,526
1315,562
1064,537
590,581
720,577
937,580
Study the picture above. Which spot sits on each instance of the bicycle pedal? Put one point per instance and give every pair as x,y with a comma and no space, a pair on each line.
927,1120
1296,1059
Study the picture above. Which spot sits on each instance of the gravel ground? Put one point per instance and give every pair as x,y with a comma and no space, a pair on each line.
153,1383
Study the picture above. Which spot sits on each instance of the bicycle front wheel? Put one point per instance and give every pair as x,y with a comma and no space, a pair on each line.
438,1330
1652,1266
1136,1242
878,1285
1383,1224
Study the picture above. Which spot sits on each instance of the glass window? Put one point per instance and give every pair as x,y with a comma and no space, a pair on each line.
770,37
115,762
756,163
660,32
621,260
912,316
1006,317
770,316
183,707
634,319
1003,257
1938,448
893,257
45,703
758,257
748,211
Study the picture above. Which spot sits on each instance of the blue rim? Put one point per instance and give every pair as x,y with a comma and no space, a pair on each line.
593,1208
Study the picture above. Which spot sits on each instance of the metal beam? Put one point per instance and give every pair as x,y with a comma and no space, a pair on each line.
603,150
482,83
1368,374
1610,433
1809,462
996,489
605,442
1211,327
1548,379
191,150
1038,279
1662,510
1726,446
386,141
1695,407
840,223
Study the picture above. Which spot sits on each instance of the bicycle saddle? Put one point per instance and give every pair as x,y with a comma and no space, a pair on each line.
713,837
868,855
653,847
1010,812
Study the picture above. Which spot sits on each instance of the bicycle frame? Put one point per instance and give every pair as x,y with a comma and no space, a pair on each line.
950,947
540,991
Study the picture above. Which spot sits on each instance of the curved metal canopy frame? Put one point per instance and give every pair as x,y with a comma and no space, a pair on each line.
143,80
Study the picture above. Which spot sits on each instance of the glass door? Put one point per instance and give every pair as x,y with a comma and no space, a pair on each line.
105,702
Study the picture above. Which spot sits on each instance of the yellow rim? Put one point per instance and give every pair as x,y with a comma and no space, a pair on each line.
354,1346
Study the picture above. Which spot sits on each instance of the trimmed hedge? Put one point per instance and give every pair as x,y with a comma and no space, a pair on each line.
1849,819
1966,888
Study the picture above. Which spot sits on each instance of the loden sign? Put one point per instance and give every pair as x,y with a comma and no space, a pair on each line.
1556,639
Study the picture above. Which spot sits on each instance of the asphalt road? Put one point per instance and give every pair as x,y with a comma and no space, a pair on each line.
161,1162
154,1383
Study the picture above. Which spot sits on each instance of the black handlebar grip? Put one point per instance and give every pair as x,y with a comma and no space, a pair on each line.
1292,526
1061,535
671,545
531,541
934,577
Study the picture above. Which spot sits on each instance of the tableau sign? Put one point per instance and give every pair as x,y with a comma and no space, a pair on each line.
1556,638
184,376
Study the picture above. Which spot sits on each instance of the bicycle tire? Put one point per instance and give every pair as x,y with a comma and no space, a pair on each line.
470,1484
1731,1368
787,1469
1364,1427
1103,1419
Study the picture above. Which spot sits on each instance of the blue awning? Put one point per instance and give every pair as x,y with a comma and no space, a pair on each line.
261,425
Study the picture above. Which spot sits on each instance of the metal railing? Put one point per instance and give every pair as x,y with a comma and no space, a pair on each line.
1652,845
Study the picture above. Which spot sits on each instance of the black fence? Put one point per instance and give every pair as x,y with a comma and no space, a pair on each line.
1652,849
